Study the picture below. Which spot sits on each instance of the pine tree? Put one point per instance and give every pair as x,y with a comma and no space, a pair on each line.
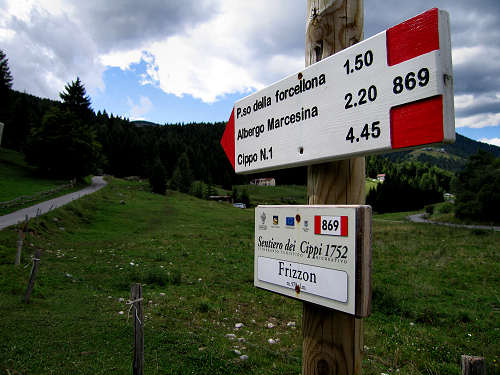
63,145
182,178
76,100
5,77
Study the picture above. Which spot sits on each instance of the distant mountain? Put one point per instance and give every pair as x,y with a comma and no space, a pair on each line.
141,123
451,157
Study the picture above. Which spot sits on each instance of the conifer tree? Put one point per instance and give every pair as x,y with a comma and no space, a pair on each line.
5,76
76,100
65,144
182,178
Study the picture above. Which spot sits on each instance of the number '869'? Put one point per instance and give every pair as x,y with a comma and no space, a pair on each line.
410,81
330,225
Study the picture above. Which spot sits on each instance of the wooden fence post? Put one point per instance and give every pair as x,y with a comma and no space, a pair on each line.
20,241
137,309
34,270
472,365
333,341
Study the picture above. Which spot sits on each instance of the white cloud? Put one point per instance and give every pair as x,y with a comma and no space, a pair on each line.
465,55
463,101
491,141
48,50
203,48
137,111
478,121
121,59
216,57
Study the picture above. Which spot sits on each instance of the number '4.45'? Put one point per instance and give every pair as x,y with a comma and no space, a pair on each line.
365,133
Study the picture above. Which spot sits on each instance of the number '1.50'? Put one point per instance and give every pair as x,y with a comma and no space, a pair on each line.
360,61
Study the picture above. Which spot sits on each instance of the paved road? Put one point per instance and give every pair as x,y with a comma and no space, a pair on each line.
44,207
420,218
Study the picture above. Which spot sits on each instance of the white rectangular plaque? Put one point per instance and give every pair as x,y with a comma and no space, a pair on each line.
320,254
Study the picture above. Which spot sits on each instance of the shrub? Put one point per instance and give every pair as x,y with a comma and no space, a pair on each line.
446,208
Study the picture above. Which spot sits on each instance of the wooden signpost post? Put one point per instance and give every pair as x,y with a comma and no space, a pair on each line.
332,340
391,92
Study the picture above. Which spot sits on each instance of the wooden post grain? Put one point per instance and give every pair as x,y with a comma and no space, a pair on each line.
34,270
472,365
333,340
138,313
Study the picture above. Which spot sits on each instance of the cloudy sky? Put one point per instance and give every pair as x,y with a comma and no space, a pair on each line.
180,61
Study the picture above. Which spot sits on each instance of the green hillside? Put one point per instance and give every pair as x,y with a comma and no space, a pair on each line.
17,178
434,293
21,186
451,157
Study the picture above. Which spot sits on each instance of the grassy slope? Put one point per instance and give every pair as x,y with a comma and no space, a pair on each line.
435,292
17,178
286,194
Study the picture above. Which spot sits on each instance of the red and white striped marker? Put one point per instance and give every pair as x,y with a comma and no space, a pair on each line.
331,225
390,92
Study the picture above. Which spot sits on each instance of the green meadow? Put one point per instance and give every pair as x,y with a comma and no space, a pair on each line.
435,292
19,179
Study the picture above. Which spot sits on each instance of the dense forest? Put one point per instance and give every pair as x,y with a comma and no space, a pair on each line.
68,139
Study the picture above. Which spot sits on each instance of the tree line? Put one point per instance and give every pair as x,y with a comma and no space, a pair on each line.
408,186
68,139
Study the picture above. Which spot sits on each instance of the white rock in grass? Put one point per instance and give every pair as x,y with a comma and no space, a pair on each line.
290,324
231,336
237,352
120,312
238,325
241,339
243,357
162,294
131,263
121,299
271,341
270,325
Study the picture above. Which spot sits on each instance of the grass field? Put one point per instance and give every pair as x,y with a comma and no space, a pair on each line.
435,293
19,179
286,194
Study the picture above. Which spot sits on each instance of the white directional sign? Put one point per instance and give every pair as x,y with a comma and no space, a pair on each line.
390,92
320,254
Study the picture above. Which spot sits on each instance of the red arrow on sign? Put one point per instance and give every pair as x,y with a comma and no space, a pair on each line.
390,92
227,141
